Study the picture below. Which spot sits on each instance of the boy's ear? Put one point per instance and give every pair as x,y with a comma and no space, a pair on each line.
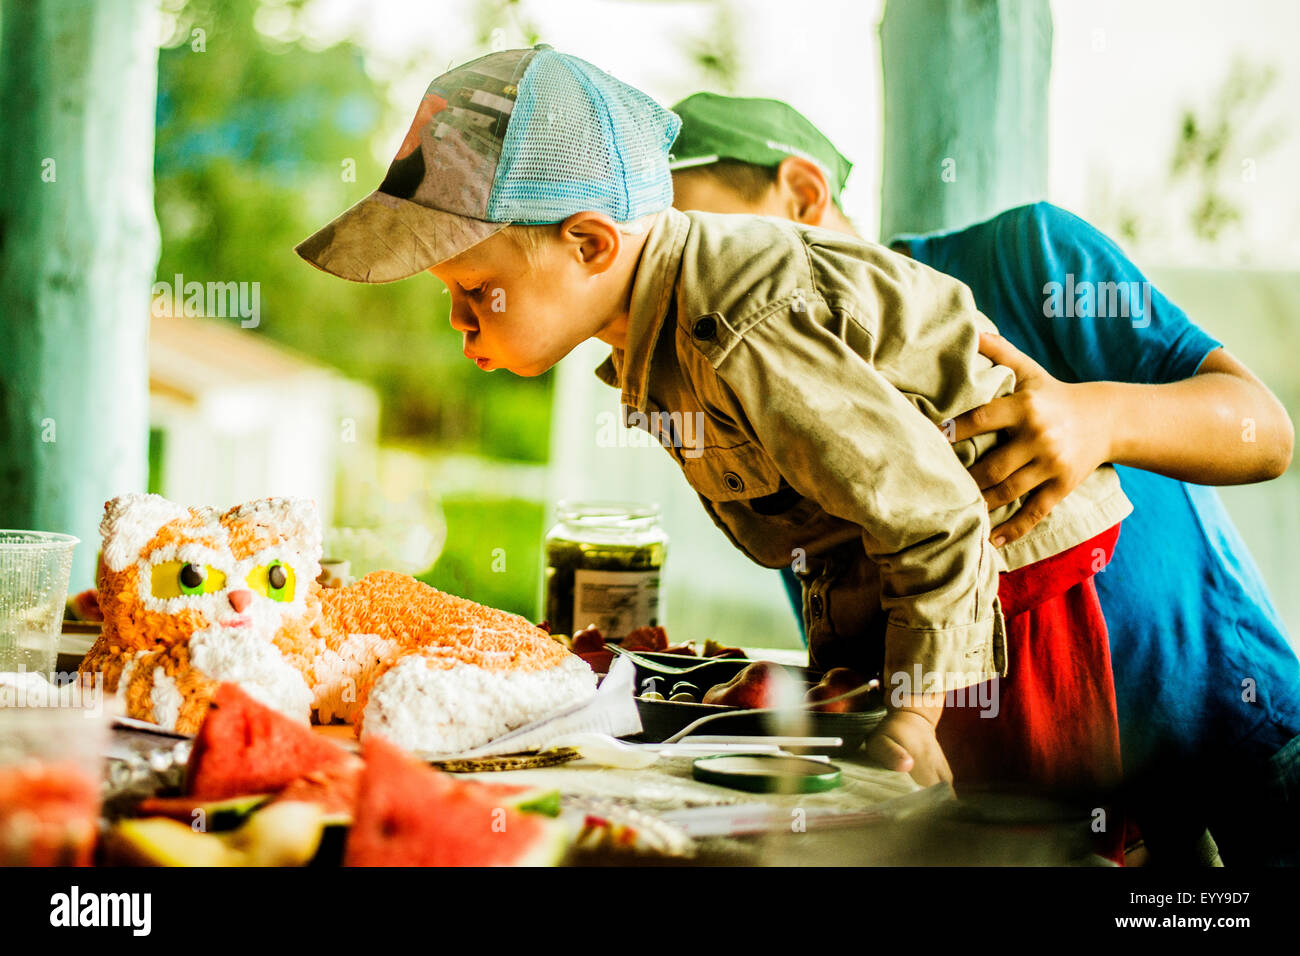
804,189
594,238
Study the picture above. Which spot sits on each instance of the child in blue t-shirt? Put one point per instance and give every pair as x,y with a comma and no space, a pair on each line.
1206,683
1207,686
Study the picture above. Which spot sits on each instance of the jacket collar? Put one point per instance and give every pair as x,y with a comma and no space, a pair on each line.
652,294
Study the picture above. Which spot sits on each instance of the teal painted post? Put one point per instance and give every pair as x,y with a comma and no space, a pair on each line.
965,122
78,249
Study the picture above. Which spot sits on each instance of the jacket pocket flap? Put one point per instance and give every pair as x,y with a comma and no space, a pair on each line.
732,474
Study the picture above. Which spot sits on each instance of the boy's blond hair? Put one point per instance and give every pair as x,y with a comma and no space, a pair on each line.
529,238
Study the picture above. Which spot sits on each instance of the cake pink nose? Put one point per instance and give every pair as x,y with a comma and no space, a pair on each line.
240,600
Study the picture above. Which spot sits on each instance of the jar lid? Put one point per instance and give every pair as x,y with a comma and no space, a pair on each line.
605,512
767,773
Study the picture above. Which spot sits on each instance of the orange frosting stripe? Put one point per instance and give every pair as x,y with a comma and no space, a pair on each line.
446,629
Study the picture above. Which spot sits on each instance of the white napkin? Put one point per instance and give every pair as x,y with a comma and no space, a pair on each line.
612,711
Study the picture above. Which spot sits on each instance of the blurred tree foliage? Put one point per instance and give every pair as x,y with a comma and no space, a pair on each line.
1215,151
1211,145
260,142
716,53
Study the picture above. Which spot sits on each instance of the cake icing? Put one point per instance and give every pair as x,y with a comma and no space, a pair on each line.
192,597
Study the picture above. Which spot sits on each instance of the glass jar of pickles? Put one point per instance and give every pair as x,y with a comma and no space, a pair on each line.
603,567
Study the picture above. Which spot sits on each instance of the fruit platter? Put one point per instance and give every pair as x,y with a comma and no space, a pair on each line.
261,790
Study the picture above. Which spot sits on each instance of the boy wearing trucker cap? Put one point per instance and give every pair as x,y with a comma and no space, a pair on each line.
821,367
1187,612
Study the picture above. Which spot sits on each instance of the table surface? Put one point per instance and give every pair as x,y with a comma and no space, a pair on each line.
936,834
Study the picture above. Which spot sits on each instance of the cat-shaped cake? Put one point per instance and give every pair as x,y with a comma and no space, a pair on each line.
192,597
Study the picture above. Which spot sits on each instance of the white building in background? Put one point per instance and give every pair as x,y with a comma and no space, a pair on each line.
234,416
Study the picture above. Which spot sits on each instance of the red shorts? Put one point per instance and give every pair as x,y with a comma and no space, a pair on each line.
1055,732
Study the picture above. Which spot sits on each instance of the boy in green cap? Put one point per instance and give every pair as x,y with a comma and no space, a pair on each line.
821,367
1180,625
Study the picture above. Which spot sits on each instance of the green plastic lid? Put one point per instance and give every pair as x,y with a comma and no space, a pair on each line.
767,773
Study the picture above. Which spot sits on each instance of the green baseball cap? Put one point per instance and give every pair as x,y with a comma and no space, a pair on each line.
758,131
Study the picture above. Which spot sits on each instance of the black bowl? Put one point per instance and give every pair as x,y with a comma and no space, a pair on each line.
660,719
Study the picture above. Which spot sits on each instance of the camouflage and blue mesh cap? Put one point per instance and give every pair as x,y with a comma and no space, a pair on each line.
518,136
751,130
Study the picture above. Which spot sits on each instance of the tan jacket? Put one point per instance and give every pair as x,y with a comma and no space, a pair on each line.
800,378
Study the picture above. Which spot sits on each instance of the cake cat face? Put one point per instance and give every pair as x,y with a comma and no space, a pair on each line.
171,572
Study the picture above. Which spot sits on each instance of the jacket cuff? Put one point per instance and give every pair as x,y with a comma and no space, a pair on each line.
923,661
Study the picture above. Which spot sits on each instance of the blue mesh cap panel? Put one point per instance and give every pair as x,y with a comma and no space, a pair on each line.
580,140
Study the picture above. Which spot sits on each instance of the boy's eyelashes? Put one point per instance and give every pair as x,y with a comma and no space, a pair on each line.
473,290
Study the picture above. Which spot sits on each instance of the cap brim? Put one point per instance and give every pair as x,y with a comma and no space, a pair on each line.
384,238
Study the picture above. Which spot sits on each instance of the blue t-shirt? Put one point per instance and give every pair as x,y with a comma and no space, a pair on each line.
1200,656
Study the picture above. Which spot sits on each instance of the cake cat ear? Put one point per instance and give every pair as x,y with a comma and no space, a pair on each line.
295,520
130,522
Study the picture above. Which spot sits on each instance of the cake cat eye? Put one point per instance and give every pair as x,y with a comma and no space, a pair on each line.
171,579
274,580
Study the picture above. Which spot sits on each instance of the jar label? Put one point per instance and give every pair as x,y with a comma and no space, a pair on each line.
615,601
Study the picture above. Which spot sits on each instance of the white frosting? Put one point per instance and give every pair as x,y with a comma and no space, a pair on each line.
253,662
125,678
166,700
296,520
341,673
131,521
438,710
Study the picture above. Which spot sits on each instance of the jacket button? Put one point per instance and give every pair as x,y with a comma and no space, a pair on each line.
733,481
815,605
705,328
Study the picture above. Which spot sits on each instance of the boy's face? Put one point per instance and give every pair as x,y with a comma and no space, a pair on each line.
522,309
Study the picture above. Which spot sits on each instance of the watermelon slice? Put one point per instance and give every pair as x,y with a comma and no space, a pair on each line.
245,747
333,789
409,814
48,814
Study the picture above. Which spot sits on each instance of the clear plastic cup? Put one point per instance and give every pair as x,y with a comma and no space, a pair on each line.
52,751
34,570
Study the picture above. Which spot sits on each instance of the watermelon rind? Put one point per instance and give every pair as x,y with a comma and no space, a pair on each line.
529,799
160,841
225,814
552,850
544,802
